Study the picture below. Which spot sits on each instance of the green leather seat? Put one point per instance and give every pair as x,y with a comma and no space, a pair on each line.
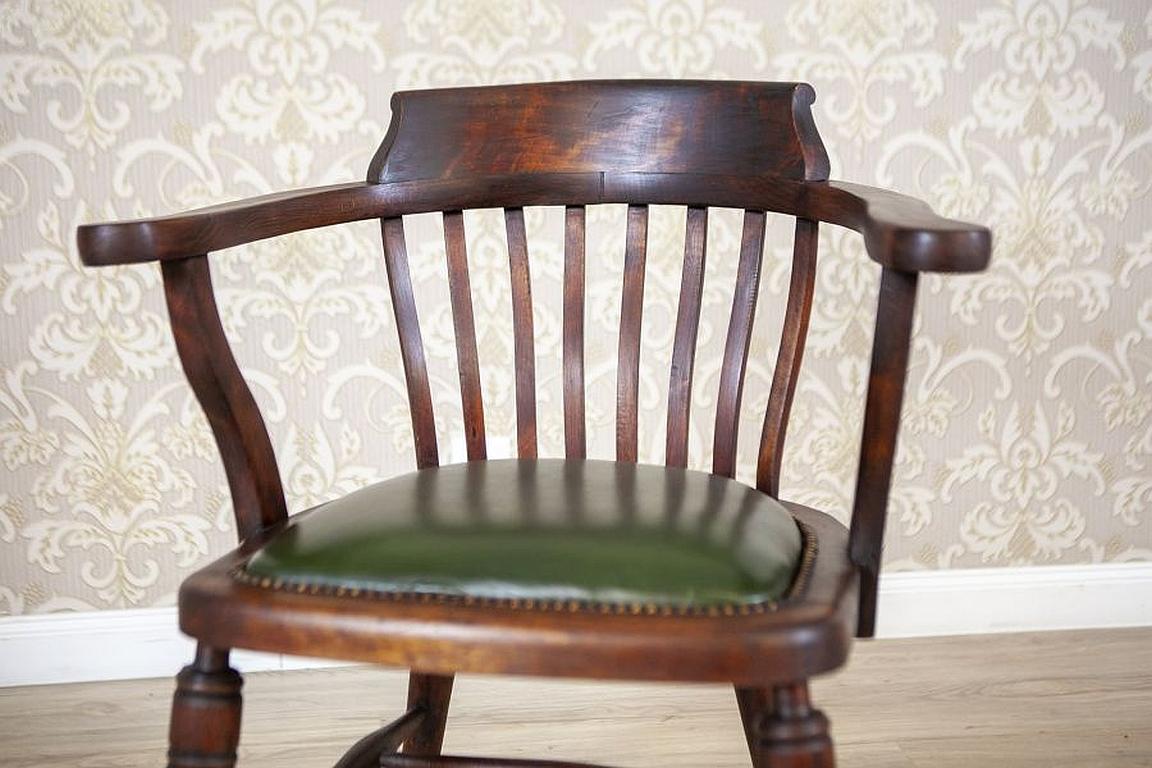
576,532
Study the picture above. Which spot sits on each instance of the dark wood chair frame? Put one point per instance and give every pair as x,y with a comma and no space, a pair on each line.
697,144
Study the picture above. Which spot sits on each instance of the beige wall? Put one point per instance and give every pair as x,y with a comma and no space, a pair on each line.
1028,427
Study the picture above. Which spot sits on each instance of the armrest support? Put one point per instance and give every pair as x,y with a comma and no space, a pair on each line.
232,413
901,232
182,235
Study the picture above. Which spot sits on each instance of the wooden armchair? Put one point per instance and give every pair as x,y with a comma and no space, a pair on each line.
558,567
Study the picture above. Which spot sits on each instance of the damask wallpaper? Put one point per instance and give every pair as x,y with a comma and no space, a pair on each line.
1028,426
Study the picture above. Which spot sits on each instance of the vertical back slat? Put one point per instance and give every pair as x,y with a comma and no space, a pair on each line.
464,325
687,329
411,345
522,332
736,345
631,314
788,361
575,442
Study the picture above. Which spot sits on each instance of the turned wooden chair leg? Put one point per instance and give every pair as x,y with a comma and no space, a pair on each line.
430,693
794,734
755,705
205,727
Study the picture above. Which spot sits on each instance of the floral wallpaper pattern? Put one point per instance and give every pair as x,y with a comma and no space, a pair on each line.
1028,425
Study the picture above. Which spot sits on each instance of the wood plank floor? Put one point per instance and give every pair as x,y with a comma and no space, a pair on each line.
1012,701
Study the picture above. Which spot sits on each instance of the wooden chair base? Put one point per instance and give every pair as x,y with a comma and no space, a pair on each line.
783,729
429,694
205,727
792,734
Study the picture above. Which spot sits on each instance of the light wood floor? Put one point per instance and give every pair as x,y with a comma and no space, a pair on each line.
1054,699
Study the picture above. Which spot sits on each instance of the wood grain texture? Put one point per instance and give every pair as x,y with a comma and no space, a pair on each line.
631,317
430,695
789,358
523,335
464,325
740,323
411,343
947,702
895,312
900,232
663,126
684,342
204,730
794,734
575,440
232,413
754,705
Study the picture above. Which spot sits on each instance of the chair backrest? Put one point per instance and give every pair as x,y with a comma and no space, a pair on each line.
634,142
607,126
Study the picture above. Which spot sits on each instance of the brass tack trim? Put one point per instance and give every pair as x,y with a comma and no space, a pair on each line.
799,584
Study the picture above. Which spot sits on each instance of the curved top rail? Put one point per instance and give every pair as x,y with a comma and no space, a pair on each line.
610,126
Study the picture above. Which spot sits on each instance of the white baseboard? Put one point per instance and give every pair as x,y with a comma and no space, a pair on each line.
986,600
114,645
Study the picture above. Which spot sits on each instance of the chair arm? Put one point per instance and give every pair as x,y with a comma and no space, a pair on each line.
901,232
178,236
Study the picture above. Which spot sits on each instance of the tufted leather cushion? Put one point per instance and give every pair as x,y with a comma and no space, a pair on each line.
551,530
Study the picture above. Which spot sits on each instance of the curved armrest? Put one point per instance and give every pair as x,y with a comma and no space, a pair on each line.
181,235
901,232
